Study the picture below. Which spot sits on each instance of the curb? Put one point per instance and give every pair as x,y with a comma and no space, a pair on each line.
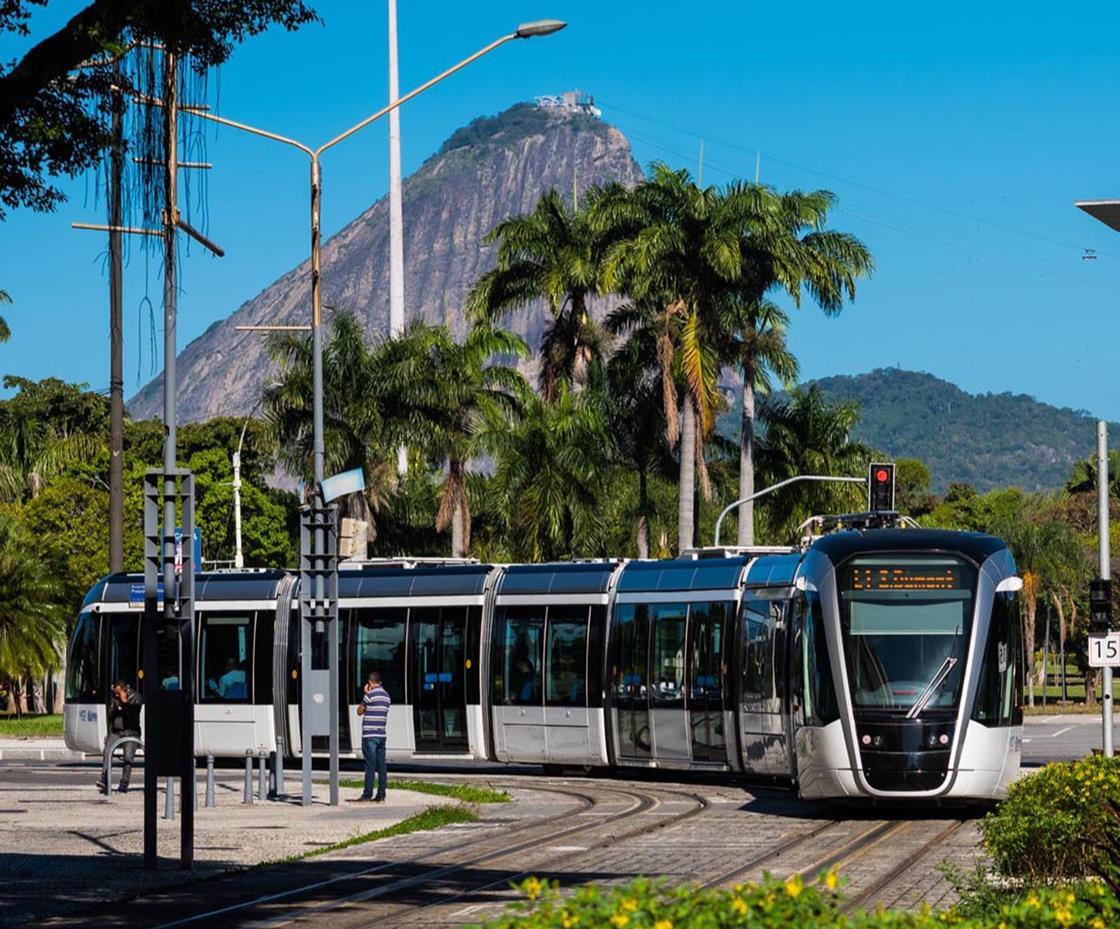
41,754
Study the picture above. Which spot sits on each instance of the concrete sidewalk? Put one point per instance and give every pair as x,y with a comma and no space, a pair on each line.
65,848
37,748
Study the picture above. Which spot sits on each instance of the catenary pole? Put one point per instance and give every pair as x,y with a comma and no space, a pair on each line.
396,217
1105,570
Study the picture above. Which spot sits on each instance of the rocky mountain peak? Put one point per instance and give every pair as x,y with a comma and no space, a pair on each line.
492,168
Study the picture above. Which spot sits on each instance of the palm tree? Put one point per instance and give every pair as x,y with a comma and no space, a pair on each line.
361,424
758,345
551,463
551,254
1083,475
31,624
676,253
5,332
785,246
806,434
445,387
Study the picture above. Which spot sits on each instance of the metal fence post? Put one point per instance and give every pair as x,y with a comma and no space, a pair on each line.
210,781
248,798
262,793
169,802
279,767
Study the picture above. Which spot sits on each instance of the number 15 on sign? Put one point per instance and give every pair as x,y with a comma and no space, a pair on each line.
1104,650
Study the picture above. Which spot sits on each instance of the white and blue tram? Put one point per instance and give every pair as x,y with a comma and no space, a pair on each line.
871,663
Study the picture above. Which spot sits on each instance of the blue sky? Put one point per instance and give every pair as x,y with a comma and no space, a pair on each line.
956,135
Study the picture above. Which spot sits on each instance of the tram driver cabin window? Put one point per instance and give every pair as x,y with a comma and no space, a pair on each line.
81,670
226,659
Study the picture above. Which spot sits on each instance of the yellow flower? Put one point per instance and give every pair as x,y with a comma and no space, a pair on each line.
739,905
620,920
831,880
667,924
533,888
1032,900
570,920
630,904
794,886
1097,923
1064,917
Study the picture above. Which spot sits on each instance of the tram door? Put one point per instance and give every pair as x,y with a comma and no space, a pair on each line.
763,710
707,628
437,643
630,681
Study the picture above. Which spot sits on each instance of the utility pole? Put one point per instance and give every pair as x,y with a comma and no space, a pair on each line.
1105,571
116,362
396,216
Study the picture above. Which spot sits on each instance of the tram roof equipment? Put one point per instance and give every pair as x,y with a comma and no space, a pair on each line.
682,574
976,546
397,580
586,577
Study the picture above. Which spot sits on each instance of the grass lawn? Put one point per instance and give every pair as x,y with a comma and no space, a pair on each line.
50,725
467,793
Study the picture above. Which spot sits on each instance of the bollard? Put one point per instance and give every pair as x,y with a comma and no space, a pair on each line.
262,792
248,798
279,767
169,803
210,781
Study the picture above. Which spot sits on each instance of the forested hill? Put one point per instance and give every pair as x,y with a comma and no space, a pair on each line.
987,440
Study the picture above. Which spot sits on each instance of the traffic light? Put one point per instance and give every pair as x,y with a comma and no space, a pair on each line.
880,486
1100,604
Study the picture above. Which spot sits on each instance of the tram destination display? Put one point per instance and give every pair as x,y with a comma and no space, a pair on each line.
914,575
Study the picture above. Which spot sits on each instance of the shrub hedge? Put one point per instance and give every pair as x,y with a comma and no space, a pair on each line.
1054,822
788,904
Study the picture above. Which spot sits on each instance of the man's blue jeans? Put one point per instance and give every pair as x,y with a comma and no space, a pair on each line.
373,752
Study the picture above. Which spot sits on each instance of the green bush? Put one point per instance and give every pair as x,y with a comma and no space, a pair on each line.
1054,822
788,904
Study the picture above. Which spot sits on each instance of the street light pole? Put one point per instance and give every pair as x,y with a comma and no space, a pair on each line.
318,555
1104,572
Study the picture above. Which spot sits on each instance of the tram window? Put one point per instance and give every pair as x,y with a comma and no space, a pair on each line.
226,664
566,654
124,646
998,693
629,650
819,694
379,646
669,622
81,670
757,671
517,680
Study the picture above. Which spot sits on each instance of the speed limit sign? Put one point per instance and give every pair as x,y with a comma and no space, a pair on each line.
1104,650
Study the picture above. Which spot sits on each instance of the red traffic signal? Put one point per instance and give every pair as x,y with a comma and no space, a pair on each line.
880,487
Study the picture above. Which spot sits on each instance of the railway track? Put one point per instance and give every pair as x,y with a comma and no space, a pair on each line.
391,890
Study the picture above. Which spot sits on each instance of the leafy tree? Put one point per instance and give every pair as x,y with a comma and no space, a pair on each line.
554,254
912,487
54,119
805,434
5,332
443,387
784,245
46,426
676,252
363,421
31,625
551,462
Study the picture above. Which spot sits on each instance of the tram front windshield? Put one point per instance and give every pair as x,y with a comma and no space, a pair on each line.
905,621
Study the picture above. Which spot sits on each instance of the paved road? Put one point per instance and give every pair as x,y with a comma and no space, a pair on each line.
1061,738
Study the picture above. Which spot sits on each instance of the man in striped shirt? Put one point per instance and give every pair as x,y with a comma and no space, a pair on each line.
374,710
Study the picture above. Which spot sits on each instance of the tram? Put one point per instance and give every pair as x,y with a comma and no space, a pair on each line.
870,662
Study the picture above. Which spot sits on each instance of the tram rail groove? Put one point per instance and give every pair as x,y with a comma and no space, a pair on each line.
794,841
868,894
418,913
469,858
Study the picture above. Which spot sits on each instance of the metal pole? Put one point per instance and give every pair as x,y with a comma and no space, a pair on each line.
262,791
169,799
210,781
1046,655
279,767
238,556
248,795
789,480
116,363
1104,571
396,218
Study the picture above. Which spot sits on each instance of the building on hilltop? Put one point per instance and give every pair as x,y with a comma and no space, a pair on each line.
573,101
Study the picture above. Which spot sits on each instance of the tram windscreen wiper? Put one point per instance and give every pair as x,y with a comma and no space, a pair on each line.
932,687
